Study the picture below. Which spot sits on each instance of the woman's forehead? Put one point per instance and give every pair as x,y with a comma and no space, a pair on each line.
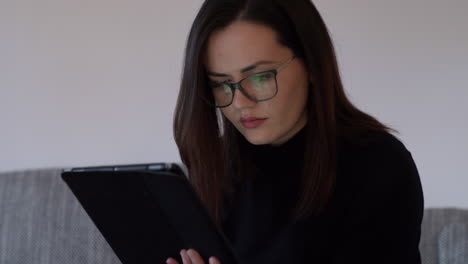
241,45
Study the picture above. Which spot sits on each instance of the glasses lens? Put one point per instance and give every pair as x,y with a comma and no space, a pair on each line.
222,94
260,86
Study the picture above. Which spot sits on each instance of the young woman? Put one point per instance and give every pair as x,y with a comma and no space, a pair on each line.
289,169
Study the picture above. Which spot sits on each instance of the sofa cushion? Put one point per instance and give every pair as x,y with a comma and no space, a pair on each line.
453,244
436,220
41,222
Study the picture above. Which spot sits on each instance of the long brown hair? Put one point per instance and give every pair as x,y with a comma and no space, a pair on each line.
211,147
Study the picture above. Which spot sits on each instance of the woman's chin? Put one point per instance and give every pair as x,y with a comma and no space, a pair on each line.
257,138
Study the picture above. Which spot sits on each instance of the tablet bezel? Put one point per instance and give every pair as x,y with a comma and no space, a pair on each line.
158,191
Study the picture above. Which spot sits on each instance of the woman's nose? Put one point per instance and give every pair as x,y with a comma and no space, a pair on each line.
241,101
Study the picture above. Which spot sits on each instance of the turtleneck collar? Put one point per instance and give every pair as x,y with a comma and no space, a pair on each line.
294,142
274,160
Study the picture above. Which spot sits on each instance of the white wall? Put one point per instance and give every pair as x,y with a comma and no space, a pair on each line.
95,82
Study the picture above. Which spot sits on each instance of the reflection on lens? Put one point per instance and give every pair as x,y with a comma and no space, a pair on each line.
260,86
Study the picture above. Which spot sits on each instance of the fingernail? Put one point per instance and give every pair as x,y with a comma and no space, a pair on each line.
182,255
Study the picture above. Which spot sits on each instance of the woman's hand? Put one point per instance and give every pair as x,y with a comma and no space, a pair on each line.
191,256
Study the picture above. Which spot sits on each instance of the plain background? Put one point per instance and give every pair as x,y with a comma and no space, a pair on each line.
95,82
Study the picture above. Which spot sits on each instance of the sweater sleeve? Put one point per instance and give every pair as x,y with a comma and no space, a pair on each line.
383,218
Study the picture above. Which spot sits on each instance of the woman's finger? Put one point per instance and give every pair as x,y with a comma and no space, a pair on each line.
214,260
171,261
185,257
195,257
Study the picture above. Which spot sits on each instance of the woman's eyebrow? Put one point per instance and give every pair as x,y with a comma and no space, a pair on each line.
243,70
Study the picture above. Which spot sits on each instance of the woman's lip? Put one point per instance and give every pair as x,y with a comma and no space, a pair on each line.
253,123
250,118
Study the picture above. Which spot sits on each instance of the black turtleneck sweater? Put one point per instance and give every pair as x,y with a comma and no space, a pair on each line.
374,217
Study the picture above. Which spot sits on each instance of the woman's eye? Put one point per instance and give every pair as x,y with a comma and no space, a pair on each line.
261,77
220,86
226,88
214,84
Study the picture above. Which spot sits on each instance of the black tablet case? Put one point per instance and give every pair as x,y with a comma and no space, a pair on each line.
148,216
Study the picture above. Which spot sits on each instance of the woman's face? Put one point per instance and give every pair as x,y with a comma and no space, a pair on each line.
242,45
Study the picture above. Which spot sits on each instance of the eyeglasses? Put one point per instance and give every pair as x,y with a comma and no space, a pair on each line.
258,87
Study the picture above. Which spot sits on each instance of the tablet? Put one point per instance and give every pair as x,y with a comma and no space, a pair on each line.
147,212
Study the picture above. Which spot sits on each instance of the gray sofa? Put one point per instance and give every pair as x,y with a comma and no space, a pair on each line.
41,222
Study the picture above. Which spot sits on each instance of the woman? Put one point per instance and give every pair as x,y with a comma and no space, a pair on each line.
287,167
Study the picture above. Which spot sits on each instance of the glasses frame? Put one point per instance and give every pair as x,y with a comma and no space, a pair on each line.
237,86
